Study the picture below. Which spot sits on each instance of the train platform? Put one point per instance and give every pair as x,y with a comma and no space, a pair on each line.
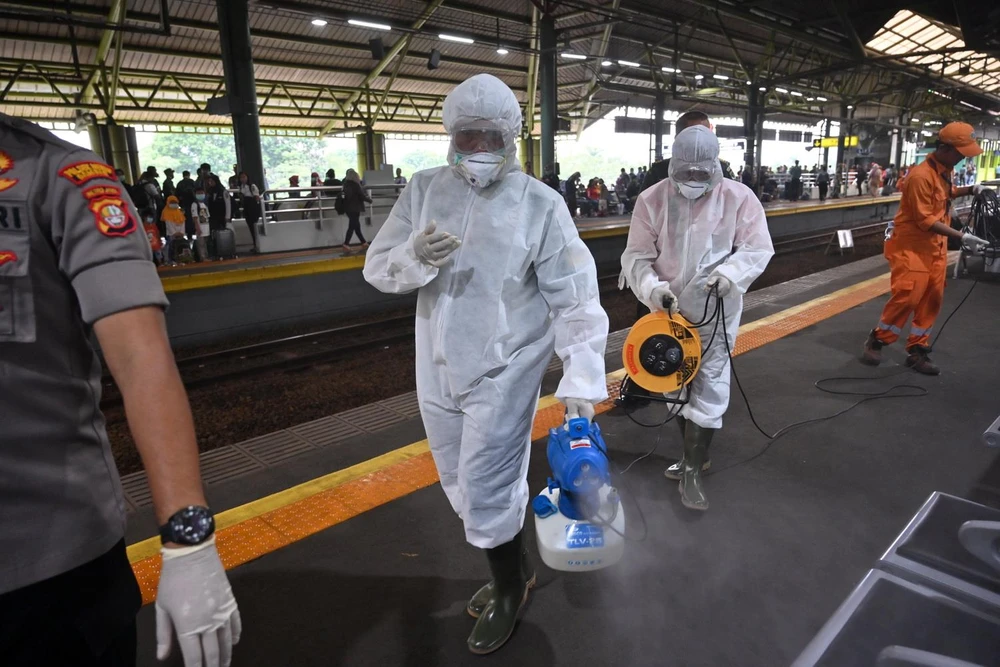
342,549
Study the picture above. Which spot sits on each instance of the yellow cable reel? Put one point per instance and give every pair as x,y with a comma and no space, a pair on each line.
662,353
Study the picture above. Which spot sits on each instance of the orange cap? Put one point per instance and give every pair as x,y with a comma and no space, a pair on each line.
960,137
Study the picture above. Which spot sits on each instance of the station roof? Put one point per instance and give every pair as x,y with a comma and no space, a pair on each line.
317,71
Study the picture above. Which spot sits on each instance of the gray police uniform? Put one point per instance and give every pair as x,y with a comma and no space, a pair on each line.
72,251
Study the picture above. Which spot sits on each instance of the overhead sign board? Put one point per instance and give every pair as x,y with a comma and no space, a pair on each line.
831,142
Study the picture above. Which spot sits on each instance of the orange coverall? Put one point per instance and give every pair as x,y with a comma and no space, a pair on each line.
918,257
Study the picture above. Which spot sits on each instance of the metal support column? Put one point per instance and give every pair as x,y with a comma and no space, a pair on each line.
826,135
547,71
119,158
750,154
371,151
899,136
241,88
658,108
845,130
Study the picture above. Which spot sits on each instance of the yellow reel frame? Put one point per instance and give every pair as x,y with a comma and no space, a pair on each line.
662,353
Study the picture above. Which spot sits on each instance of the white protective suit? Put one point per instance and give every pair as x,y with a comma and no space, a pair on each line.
683,242
520,283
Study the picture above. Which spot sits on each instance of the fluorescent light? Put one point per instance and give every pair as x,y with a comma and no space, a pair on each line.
780,90
573,56
796,93
810,99
502,51
318,22
628,63
927,134
456,38
369,24
821,99
720,77
850,106
698,77
762,89
971,106
669,69
749,83
607,63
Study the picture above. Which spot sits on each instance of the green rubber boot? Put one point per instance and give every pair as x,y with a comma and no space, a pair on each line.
674,471
696,441
483,595
510,592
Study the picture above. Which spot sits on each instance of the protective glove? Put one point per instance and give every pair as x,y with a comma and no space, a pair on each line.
664,300
433,247
977,188
723,282
577,407
973,241
194,599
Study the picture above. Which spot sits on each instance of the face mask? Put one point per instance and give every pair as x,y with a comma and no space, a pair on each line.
692,189
200,197
480,169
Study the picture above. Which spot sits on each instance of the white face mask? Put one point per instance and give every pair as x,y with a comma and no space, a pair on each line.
481,169
692,189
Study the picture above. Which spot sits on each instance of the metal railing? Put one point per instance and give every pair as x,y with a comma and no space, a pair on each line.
318,203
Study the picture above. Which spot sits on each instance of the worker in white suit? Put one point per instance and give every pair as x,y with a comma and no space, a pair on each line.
694,236
502,279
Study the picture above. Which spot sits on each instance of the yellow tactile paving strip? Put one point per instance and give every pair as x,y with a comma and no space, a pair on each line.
237,275
250,531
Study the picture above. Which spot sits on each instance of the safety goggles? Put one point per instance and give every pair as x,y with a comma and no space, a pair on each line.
468,141
693,174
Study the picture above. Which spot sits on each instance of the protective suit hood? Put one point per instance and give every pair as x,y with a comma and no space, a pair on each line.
483,102
696,148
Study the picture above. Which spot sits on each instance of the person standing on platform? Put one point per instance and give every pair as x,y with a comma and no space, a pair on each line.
331,181
693,237
219,204
795,185
502,279
168,188
400,179
250,197
74,261
354,205
185,193
917,249
823,182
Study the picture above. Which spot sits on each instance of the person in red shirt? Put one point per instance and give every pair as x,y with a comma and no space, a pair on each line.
917,249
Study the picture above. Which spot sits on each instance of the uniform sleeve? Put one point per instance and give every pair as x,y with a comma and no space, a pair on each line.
567,277
640,253
752,247
390,263
919,196
101,246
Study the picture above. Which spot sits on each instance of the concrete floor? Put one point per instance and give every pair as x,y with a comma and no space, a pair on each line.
788,536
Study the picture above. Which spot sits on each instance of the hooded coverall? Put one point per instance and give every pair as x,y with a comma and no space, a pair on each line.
917,257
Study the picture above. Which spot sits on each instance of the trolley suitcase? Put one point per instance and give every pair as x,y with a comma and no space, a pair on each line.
225,243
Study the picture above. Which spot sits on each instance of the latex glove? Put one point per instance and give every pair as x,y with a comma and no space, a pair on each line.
977,188
664,300
973,241
723,282
433,247
194,599
577,407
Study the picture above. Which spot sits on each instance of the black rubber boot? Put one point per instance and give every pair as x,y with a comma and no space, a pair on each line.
483,595
510,592
674,471
696,441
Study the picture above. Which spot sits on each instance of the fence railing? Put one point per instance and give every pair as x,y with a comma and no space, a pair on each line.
318,203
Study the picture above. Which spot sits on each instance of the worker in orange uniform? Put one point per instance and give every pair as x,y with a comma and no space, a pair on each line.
917,249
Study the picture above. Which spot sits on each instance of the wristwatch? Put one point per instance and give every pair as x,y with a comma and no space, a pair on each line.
190,526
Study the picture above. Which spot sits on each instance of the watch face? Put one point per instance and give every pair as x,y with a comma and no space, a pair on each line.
192,525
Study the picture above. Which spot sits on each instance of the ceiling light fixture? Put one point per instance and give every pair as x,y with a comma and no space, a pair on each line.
971,106
456,38
502,51
318,22
573,56
669,69
607,63
698,77
749,83
781,90
369,24
821,99
720,77
628,63
762,89
850,106
796,93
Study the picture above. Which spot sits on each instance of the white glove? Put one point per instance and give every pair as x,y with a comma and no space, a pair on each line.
194,599
432,247
664,300
577,407
723,282
977,188
973,241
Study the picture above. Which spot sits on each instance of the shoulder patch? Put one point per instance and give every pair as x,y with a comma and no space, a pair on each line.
112,217
79,173
7,256
6,164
